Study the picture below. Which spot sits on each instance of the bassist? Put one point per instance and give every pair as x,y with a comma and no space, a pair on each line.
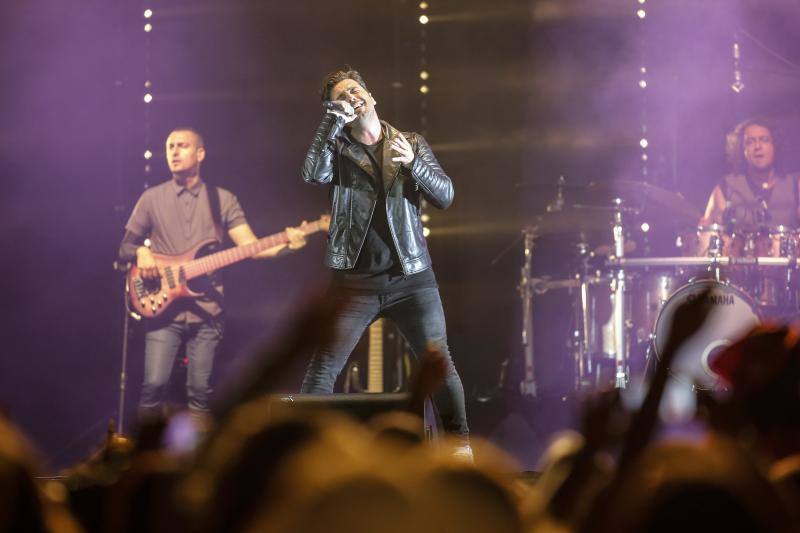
175,216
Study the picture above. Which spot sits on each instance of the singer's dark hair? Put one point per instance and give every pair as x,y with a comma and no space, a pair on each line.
734,142
345,73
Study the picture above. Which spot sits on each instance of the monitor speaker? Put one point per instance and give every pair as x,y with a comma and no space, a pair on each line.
361,406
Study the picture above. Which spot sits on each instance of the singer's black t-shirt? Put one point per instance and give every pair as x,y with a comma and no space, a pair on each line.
378,254
378,267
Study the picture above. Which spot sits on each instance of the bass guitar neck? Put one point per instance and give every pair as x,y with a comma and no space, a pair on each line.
150,298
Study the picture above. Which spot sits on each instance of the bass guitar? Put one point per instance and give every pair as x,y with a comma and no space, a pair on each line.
149,298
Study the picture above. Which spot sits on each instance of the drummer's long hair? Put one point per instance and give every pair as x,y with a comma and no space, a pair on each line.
734,143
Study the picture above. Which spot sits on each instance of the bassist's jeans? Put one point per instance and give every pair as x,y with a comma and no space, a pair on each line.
419,316
161,347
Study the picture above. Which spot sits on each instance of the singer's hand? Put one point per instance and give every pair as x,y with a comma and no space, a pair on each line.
405,153
343,109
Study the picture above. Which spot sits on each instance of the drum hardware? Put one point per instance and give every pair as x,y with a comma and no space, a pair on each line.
772,280
679,261
575,219
620,325
618,289
544,285
583,359
530,286
559,221
528,384
581,335
644,196
786,239
715,246
617,301
582,351
605,250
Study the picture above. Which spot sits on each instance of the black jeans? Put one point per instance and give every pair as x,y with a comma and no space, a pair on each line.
419,316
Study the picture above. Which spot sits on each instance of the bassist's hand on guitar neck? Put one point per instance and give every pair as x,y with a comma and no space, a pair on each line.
146,263
157,280
297,237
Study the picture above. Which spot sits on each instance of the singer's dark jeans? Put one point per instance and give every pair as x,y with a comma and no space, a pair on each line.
161,348
419,316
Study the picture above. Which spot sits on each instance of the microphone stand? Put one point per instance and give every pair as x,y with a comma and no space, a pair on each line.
123,374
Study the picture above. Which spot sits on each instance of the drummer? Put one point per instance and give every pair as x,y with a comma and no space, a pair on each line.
755,196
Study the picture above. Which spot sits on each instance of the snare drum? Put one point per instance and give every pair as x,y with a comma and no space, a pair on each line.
733,314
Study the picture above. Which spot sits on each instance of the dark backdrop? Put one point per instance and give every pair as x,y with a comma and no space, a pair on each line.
521,92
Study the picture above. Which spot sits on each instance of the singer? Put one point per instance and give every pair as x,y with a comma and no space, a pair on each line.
756,195
378,178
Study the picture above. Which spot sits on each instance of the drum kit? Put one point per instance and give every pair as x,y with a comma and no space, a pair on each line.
625,263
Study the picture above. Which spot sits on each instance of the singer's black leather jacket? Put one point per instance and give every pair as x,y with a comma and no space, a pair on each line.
344,164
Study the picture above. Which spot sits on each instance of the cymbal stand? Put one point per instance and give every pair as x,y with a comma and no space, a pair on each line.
528,384
583,355
715,247
618,290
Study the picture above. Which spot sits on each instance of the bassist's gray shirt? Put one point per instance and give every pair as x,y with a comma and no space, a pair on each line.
175,219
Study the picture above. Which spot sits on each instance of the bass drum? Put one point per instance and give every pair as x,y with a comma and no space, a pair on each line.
732,315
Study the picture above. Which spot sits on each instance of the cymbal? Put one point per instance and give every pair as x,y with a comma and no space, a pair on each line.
647,197
550,186
572,219
555,194
605,250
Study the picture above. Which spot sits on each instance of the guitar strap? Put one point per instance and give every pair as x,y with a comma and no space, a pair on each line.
216,211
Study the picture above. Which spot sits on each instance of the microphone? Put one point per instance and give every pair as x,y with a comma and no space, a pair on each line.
766,216
336,128
333,105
